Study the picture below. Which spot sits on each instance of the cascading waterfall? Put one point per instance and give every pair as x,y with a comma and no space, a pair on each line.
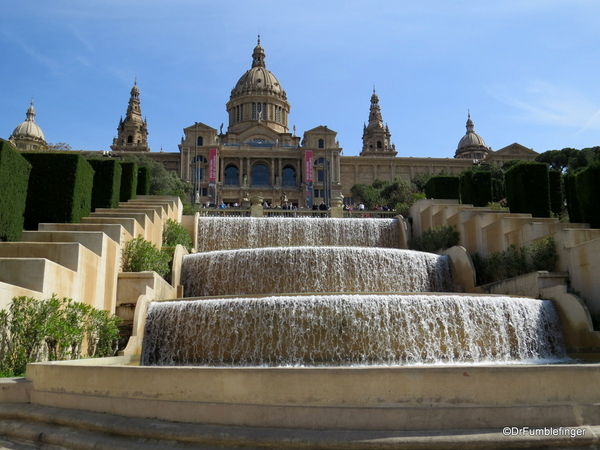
222,233
303,292
373,329
314,269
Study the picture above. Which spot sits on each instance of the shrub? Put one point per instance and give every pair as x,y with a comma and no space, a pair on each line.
140,255
174,233
14,178
556,192
444,236
143,181
34,330
570,182
107,183
476,187
59,189
442,187
588,194
128,181
512,262
528,189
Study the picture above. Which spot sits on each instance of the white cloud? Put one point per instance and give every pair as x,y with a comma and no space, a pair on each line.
547,103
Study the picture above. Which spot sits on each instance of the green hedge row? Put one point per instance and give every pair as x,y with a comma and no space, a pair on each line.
475,187
528,189
442,187
556,195
59,190
14,176
143,181
107,183
588,194
128,181
570,181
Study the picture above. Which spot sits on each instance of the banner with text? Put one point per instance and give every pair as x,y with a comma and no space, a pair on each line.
308,178
213,159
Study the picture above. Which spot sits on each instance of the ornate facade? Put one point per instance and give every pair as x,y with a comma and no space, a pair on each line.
258,155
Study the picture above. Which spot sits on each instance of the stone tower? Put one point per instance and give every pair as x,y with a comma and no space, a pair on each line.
376,136
133,131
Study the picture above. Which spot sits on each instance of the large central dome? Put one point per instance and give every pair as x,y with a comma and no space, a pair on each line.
258,80
258,107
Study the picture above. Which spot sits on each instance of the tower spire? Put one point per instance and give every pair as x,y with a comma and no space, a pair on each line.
376,136
133,130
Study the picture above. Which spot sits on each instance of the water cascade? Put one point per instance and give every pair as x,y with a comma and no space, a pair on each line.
373,329
222,233
313,269
266,300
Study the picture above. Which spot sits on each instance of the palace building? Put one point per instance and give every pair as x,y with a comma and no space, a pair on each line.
257,155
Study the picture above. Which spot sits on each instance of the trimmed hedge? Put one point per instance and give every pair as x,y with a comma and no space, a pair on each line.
556,194
476,187
59,190
442,187
588,193
107,183
570,181
528,189
128,181
143,181
14,177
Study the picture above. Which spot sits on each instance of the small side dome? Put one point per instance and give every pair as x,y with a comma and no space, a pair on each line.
471,145
29,129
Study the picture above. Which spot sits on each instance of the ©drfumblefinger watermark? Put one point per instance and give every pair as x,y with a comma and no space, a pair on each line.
546,431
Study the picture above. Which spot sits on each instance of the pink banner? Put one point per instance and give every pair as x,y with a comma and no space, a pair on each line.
308,159
212,165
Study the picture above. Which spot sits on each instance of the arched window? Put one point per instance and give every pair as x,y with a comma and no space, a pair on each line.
320,165
378,144
321,143
199,165
130,139
232,176
200,141
260,175
289,176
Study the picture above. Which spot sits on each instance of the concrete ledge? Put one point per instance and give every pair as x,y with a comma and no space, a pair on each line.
88,430
114,231
335,398
15,390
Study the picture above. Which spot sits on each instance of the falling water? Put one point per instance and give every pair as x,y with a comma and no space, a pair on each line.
371,329
222,233
313,269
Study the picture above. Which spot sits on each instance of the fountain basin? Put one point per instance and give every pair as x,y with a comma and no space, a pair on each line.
341,398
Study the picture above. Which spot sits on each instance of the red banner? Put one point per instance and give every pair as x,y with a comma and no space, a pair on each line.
212,165
308,164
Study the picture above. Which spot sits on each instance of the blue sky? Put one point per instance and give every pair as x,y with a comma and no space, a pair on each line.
528,70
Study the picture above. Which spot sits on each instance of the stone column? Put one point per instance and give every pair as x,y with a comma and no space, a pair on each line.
256,208
336,208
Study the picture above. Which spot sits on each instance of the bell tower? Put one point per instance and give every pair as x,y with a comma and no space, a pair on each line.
376,136
133,131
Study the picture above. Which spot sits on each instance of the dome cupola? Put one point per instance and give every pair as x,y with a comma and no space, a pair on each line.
471,145
28,135
258,98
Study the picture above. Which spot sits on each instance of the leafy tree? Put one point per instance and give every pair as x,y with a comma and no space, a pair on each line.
58,147
558,159
162,182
